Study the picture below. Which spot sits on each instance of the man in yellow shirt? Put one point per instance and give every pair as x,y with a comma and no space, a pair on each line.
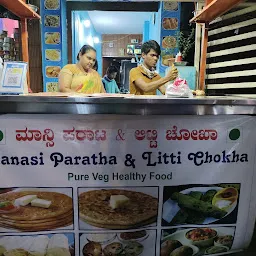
143,79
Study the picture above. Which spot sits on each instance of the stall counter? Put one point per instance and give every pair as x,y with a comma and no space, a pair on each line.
127,105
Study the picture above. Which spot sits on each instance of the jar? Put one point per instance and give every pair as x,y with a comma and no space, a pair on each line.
8,40
6,46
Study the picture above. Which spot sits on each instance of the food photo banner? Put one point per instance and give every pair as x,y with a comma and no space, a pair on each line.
170,27
119,186
52,43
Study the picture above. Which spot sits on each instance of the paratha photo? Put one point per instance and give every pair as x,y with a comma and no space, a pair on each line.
171,6
52,87
52,4
170,23
95,209
167,60
52,38
169,42
37,245
52,71
52,21
53,55
35,215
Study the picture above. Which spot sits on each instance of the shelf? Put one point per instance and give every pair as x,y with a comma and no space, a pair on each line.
215,9
20,9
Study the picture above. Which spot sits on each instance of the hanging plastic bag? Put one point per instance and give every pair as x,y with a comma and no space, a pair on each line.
179,88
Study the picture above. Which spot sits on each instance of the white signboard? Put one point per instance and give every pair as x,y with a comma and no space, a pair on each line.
132,185
13,80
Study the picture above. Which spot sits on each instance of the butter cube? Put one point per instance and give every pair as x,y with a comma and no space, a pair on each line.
118,201
41,203
25,200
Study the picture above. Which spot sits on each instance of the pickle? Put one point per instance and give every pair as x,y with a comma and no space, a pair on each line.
208,196
205,208
237,186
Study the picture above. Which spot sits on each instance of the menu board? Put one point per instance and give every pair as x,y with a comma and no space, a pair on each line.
118,185
170,26
51,37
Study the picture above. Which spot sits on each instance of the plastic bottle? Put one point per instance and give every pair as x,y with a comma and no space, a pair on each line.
178,57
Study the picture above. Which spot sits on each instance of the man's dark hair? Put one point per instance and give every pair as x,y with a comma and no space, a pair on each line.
86,48
96,66
112,69
152,44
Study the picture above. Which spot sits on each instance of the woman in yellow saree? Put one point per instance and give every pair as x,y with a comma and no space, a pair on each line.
81,77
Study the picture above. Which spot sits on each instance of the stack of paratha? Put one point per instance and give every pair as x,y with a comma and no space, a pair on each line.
29,218
40,245
94,208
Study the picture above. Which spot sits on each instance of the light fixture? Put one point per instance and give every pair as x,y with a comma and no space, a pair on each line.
96,40
87,23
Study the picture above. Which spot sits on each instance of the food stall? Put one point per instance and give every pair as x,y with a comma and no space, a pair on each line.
126,175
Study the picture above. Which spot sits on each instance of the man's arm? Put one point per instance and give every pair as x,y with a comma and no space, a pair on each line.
162,89
148,87
116,88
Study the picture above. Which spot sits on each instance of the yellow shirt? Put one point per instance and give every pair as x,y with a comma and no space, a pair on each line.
137,73
81,82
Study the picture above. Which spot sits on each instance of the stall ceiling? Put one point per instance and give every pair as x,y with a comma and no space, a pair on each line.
107,22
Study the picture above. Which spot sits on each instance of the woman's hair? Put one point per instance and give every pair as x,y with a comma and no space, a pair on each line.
86,48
